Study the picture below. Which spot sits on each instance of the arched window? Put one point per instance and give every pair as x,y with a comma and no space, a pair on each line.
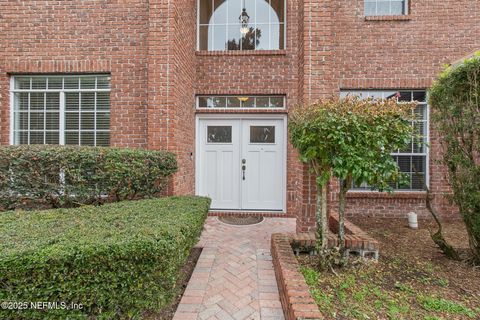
241,25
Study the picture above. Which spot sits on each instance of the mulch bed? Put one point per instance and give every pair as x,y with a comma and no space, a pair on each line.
397,240
411,280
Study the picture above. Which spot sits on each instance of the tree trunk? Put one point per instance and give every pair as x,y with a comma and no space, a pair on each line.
474,242
325,226
437,237
344,186
321,217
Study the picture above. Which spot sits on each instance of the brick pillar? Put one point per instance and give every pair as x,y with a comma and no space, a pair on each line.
171,74
160,67
183,126
319,80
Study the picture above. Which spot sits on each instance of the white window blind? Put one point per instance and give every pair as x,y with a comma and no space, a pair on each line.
73,110
385,7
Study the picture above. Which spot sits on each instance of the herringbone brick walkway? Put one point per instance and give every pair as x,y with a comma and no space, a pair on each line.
234,277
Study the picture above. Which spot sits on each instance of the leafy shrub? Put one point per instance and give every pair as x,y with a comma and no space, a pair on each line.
63,176
351,139
116,260
455,98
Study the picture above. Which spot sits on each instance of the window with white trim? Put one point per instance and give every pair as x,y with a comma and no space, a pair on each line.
386,7
241,102
241,25
413,158
65,110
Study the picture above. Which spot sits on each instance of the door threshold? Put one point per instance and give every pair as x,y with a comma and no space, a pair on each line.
262,213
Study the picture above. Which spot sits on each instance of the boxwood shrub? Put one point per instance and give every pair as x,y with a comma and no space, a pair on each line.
117,260
66,176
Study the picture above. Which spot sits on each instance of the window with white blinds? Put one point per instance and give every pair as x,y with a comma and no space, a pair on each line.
412,159
73,110
386,7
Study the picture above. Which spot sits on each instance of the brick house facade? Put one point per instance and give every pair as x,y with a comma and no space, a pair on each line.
150,50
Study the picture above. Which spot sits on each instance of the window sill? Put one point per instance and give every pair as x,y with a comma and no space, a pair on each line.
238,110
385,195
242,53
388,18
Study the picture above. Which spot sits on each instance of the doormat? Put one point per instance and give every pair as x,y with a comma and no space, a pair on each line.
241,221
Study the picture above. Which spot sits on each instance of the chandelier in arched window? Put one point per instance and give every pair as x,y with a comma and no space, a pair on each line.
241,25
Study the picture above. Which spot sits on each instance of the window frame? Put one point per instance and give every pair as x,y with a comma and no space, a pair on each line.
198,108
406,9
245,51
426,152
61,111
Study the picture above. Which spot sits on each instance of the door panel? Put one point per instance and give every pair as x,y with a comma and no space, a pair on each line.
224,145
218,165
262,149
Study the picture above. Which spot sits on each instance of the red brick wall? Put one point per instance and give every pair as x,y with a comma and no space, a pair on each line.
261,72
160,75
405,54
382,53
318,81
152,94
80,37
183,143
149,49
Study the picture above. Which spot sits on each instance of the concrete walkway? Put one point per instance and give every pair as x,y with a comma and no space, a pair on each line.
234,277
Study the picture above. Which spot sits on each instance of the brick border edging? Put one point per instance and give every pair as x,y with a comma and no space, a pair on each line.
357,241
297,303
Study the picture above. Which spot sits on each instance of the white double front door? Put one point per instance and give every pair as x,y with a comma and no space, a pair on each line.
241,164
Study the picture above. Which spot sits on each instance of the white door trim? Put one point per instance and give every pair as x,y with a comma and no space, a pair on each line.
241,117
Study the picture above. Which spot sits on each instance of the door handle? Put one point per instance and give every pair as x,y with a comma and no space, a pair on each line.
243,168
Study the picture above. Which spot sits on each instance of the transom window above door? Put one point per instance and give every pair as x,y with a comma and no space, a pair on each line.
241,102
226,25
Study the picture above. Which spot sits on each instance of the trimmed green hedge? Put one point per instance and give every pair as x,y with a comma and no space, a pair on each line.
117,260
66,176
